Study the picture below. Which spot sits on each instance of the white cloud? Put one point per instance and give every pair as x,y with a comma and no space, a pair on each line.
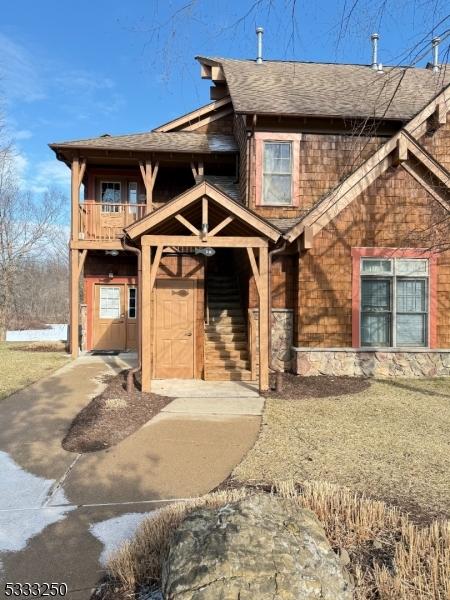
47,174
19,74
22,134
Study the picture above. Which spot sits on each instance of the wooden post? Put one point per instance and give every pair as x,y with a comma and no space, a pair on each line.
74,303
264,319
75,198
149,174
146,318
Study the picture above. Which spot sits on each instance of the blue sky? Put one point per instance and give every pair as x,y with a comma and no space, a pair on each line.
69,71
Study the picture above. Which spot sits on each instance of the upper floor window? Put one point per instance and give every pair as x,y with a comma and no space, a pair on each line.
111,193
277,173
394,302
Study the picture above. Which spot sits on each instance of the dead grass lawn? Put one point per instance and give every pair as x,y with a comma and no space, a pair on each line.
390,441
23,364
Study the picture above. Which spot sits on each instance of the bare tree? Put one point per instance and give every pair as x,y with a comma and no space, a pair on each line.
29,227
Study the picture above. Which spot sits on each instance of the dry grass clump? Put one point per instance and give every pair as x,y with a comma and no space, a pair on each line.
390,558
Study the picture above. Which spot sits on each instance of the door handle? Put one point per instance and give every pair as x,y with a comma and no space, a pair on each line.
189,333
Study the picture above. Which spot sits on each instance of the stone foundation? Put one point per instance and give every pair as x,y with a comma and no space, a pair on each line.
282,336
371,363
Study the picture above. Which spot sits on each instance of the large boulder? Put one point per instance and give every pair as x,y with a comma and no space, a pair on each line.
259,548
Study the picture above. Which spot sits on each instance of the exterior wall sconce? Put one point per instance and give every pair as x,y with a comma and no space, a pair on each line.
110,275
111,252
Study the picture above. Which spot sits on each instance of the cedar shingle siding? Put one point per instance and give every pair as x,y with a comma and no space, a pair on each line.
390,213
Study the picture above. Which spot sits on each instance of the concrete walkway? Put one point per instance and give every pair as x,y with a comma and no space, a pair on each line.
63,512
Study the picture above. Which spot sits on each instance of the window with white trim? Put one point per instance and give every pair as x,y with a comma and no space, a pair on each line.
132,302
394,302
109,302
277,173
110,194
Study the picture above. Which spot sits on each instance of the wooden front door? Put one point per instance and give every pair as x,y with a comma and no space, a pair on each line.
174,329
109,317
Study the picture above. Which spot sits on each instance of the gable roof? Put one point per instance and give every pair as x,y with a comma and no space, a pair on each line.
179,141
402,142
325,89
196,118
192,195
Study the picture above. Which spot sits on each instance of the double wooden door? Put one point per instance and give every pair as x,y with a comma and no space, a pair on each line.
174,327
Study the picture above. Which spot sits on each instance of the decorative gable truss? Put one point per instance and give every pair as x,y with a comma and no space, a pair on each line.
403,150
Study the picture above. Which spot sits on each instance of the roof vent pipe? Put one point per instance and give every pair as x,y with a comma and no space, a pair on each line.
259,35
374,38
435,45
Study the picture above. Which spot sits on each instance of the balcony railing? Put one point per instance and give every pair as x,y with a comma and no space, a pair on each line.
105,221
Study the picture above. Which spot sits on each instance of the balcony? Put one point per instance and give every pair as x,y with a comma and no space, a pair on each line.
106,221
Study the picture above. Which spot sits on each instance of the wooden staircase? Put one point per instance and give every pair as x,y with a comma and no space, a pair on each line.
226,347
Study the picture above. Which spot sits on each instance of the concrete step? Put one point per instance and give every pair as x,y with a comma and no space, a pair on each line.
226,337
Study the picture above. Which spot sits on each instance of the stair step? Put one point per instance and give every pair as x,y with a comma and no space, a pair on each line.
225,312
221,304
225,346
217,354
243,375
226,337
214,363
220,327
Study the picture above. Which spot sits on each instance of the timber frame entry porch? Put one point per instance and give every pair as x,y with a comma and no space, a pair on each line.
212,220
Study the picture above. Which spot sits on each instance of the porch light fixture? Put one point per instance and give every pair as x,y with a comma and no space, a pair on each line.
205,251
112,252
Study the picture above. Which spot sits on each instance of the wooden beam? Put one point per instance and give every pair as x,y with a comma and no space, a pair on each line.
75,198
148,187
146,319
217,73
401,152
221,226
81,260
255,271
95,245
187,119
210,119
308,238
154,174
441,114
215,242
187,224
74,304
205,217
194,170
155,266
264,349
82,172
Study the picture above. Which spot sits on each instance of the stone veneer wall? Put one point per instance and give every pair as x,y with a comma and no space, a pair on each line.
282,336
371,363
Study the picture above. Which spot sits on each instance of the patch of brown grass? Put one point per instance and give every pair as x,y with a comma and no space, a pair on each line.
390,557
389,441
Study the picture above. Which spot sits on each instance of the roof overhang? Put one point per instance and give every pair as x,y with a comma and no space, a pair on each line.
229,208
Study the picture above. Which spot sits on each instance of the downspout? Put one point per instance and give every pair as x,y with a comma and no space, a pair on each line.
272,253
132,372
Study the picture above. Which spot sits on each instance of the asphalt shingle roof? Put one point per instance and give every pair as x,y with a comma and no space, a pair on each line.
322,89
179,141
